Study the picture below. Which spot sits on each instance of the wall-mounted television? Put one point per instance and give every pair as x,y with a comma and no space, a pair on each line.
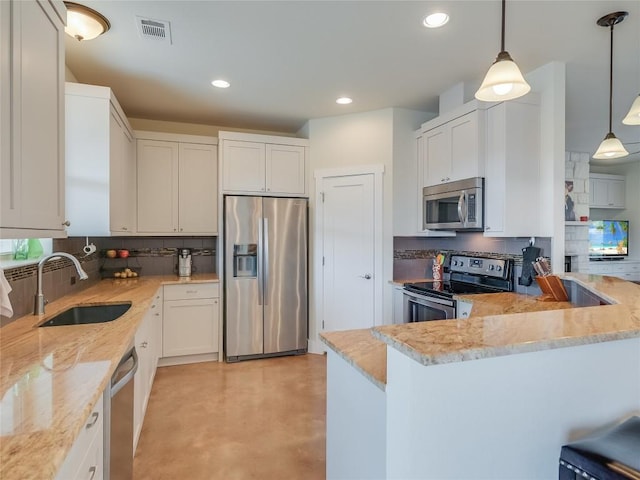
608,239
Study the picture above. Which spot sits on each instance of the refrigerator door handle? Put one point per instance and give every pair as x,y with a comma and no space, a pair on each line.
265,256
260,264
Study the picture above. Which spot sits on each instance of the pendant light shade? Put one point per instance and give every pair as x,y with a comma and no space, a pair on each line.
611,147
84,23
503,81
633,117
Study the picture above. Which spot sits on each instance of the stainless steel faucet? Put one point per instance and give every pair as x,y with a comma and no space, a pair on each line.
38,308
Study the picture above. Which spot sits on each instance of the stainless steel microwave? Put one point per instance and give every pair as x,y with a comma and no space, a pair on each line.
454,206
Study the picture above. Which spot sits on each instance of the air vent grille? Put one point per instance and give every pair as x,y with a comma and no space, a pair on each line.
157,30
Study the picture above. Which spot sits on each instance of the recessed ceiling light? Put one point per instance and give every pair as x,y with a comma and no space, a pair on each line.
344,100
435,20
220,83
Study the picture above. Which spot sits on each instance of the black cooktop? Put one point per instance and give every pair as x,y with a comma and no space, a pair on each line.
448,289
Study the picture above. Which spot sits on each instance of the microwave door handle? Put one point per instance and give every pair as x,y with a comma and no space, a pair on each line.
460,202
466,207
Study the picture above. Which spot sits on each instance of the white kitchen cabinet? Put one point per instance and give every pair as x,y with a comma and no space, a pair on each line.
624,269
398,304
32,119
100,163
453,150
513,179
190,324
606,191
177,184
148,345
85,460
264,165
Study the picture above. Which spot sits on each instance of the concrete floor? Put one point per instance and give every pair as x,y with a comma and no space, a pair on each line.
259,419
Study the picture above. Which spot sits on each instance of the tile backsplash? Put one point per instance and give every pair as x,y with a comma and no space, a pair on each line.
154,255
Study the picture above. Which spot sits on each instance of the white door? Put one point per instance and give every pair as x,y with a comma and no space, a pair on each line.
348,250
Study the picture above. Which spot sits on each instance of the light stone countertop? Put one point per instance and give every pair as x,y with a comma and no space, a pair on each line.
52,377
500,324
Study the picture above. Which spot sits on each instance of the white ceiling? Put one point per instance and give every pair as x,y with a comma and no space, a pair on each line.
288,61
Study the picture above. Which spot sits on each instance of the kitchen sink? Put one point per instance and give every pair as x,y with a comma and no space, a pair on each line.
84,314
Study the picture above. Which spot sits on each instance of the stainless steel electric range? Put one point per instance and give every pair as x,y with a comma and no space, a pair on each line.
434,300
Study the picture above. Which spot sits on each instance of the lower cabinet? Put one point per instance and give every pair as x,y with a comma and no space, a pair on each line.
625,269
86,457
190,324
398,304
148,345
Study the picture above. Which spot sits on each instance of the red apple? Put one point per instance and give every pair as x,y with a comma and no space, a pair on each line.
123,253
110,253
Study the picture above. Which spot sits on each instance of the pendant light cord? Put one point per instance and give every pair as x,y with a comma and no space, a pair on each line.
504,3
611,81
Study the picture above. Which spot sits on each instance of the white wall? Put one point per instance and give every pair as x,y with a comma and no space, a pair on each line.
549,81
370,138
631,171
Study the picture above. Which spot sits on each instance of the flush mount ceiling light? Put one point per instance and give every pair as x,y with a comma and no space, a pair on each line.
503,81
435,20
344,101
84,23
611,147
221,83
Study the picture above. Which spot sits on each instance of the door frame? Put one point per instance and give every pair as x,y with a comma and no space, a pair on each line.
377,170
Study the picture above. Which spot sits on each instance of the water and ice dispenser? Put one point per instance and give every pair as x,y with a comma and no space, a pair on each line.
245,260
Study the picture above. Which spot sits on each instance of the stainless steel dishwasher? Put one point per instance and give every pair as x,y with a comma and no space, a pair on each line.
118,415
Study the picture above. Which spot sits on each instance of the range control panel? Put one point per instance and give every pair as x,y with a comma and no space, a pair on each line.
492,267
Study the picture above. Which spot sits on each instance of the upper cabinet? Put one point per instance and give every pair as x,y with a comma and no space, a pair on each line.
100,163
452,146
32,119
177,184
513,182
263,165
606,191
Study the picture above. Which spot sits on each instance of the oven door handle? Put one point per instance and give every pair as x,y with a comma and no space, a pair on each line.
428,302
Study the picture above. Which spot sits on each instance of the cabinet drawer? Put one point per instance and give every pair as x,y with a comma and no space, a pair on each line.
192,290
91,432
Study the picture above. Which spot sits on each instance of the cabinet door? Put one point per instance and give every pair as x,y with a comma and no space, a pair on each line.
598,192
398,305
33,118
285,169
198,187
189,327
122,184
436,156
243,167
616,194
464,147
157,178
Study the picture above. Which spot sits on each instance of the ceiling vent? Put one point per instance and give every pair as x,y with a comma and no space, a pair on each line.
156,30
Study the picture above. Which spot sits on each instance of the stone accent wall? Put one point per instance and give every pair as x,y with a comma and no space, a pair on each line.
577,234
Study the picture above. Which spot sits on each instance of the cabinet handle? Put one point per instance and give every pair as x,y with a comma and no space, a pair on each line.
94,416
175,229
487,228
144,344
192,291
124,228
92,471
153,306
157,314
67,223
181,229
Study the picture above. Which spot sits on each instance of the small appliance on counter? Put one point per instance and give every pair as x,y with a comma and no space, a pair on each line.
184,262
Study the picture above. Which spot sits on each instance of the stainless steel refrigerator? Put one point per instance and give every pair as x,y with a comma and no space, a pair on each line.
265,275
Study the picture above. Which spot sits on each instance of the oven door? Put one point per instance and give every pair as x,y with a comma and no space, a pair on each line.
423,308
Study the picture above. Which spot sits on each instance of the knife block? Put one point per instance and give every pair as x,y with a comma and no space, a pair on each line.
552,288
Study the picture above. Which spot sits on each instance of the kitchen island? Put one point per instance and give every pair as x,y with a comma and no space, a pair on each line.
51,377
494,396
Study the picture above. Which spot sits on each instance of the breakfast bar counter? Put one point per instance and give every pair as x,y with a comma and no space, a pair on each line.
51,377
520,377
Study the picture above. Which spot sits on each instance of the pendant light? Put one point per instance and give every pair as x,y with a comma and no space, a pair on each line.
633,117
503,81
84,23
611,147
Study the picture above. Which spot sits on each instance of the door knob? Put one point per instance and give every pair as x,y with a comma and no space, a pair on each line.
366,276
